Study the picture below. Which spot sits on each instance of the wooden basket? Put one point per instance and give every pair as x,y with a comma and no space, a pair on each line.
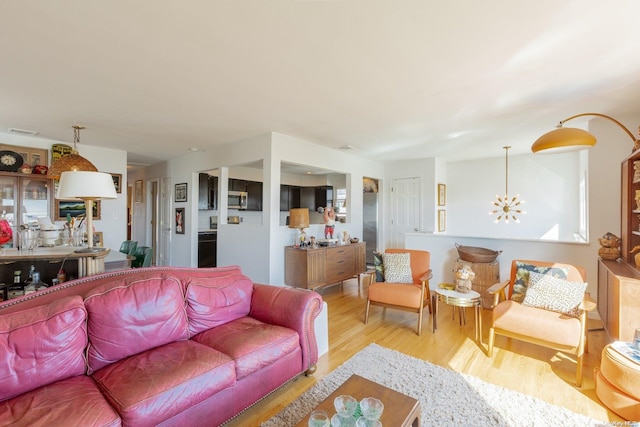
475,254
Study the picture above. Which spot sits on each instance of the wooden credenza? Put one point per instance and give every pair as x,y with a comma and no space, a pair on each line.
619,299
312,268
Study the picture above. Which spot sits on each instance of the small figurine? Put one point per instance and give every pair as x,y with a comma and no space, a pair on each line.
329,222
464,276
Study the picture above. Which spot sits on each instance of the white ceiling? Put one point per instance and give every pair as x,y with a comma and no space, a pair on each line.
395,79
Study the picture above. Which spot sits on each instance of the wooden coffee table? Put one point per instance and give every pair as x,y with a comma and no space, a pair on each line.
399,409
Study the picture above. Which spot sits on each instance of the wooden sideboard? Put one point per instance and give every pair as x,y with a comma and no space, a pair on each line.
311,268
619,299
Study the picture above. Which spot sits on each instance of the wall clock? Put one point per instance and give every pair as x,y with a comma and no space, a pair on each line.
10,161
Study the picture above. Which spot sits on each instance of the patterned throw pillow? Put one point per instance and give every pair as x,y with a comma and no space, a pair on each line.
522,277
378,263
397,268
554,294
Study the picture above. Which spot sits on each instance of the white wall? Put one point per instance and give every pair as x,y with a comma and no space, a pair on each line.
604,214
113,213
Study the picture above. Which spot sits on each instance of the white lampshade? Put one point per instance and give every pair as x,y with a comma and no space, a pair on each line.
86,185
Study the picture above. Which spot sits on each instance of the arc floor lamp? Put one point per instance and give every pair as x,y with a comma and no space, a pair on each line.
571,139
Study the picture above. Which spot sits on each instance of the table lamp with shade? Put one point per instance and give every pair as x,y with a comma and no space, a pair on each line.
299,218
89,187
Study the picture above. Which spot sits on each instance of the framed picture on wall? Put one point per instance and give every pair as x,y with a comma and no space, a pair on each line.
181,192
180,221
442,194
74,208
138,191
117,181
442,220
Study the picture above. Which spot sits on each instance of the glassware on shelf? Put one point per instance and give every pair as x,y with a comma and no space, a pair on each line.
28,239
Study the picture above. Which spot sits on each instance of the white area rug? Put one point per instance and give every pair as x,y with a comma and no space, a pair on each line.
447,398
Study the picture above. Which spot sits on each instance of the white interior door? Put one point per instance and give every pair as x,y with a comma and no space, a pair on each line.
405,209
165,223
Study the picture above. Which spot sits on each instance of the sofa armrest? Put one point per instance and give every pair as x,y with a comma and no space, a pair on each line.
292,308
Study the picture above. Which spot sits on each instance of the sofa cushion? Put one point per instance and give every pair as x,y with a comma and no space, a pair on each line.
251,343
559,295
72,401
134,316
154,385
522,277
378,263
42,345
217,300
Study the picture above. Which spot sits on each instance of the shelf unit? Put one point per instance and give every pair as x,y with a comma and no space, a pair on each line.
619,281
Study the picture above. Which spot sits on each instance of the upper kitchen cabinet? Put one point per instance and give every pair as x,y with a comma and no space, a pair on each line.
254,196
207,192
237,184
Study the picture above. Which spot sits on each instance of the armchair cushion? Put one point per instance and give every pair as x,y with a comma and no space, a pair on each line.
378,263
397,268
550,293
522,277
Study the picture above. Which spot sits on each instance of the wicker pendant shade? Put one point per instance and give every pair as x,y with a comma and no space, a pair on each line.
73,161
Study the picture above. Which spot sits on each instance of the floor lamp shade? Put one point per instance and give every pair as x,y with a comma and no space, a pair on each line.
87,186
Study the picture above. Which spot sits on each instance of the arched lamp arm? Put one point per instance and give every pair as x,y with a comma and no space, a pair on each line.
633,138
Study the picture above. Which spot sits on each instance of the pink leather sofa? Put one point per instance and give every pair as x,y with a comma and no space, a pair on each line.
153,346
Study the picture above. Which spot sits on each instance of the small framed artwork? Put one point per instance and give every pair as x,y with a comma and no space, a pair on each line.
117,181
181,192
97,239
442,194
179,220
138,191
74,208
442,220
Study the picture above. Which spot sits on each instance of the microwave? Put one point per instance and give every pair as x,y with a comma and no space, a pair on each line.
237,200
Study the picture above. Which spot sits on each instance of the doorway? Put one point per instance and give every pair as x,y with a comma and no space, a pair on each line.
405,209
370,217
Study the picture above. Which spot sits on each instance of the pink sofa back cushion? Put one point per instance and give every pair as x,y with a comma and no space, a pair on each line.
217,300
134,316
42,345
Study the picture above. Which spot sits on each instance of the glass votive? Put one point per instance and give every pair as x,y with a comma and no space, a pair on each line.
636,340
371,408
319,419
345,404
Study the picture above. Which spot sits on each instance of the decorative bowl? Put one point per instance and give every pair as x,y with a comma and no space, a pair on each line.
354,240
475,254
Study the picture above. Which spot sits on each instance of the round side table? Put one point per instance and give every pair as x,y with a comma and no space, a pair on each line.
461,300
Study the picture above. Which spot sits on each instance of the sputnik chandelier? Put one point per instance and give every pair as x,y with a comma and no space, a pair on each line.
506,207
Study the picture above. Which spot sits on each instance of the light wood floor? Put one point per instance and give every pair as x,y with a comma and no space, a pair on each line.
529,369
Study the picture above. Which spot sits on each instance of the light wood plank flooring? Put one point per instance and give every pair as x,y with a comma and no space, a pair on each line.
529,369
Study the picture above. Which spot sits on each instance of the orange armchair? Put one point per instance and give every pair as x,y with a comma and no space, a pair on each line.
404,296
537,325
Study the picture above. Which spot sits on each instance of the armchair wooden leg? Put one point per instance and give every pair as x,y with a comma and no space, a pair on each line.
366,312
420,320
492,335
579,370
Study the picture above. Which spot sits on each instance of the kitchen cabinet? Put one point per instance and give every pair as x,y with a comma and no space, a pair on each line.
308,198
207,192
311,268
289,197
254,196
324,196
24,199
237,184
